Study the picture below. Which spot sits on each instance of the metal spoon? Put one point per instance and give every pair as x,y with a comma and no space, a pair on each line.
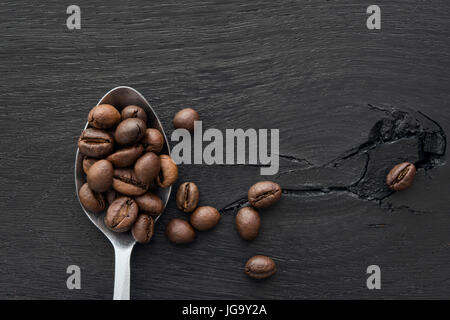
123,243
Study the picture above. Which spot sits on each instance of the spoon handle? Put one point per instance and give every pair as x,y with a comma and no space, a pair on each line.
122,273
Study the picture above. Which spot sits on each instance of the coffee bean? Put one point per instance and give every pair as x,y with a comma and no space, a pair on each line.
130,131
185,119
95,143
187,197
248,223
126,157
169,171
205,218
260,267
147,167
143,228
150,203
91,200
121,214
401,176
126,182
100,176
180,231
112,195
134,112
104,116
87,163
153,140
264,194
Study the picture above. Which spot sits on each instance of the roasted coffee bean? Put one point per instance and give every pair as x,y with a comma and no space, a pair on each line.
112,195
121,214
401,176
185,119
147,167
126,157
150,203
264,194
143,228
91,200
205,218
103,116
130,131
260,267
187,197
100,176
169,171
87,163
248,223
180,231
126,182
134,112
95,143
153,140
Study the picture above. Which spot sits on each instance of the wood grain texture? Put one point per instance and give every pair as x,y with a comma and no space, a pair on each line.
309,68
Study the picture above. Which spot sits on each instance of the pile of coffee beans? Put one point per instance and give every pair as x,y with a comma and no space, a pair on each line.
123,169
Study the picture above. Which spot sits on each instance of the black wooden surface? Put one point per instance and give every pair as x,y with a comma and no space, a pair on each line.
309,68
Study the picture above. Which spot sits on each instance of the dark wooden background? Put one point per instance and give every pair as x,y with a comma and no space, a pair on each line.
309,68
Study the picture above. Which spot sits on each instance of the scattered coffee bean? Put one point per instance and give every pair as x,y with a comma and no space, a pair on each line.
248,223
104,116
130,131
143,228
187,197
100,176
169,171
401,176
121,214
150,203
91,200
180,231
134,112
264,194
185,119
205,218
87,163
126,182
147,167
153,140
260,267
126,157
95,143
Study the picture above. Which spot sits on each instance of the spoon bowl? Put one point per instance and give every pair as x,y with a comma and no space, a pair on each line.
123,243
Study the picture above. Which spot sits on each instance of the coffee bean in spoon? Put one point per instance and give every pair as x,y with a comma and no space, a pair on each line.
401,176
143,228
169,171
100,176
205,218
91,200
121,214
180,231
153,140
185,119
263,194
187,197
147,167
248,223
104,116
126,157
150,203
260,267
95,143
130,131
112,195
133,111
87,163
126,182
